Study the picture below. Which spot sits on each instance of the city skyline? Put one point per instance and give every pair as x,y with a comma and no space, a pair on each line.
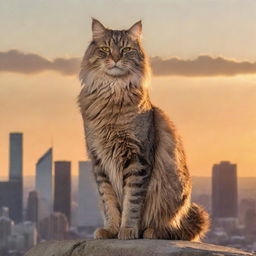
75,163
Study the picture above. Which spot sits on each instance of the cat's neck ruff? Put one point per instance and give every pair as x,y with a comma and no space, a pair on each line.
131,89
97,82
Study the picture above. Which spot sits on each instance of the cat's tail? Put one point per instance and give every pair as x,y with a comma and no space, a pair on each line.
193,226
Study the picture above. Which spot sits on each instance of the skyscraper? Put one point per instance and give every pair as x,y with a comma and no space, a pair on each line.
44,183
6,226
54,227
16,156
62,188
32,207
88,199
245,205
4,211
11,192
28,230
224,190
11,197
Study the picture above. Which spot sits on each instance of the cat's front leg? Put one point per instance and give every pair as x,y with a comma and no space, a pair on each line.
135,178
111,208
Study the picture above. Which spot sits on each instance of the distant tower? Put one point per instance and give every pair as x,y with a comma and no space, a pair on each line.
13,189
250,221
6,227
4,211
11,197
88,200
224,190
245,205
11,192
28,230
16,155
32,207
44,183
62,188
54,227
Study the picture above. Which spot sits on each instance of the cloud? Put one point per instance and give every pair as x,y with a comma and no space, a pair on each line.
203,65
29,63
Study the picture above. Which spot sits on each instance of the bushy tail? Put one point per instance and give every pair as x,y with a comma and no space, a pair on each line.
193,226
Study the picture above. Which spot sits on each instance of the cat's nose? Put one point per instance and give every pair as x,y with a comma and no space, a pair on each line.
115,55
116,59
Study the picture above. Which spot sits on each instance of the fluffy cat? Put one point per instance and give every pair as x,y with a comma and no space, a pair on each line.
137,155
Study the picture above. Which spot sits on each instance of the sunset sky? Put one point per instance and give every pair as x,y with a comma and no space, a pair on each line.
204,78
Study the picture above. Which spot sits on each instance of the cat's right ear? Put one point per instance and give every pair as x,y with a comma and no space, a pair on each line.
98,30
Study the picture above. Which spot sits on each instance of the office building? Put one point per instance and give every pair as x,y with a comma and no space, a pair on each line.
44,184
54,227
4,211
16,156
245,205
11,192
6,227
62,188
224,190
32,207
28,230
11,197
88,199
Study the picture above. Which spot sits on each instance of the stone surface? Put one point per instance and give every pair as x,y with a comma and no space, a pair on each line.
140,247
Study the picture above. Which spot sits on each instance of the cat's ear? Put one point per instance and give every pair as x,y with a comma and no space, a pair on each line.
98,30
135,30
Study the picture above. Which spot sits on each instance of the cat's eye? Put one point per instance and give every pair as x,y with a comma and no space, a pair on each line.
126,49
105,49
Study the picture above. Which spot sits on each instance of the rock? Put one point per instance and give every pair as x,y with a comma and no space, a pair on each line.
142,247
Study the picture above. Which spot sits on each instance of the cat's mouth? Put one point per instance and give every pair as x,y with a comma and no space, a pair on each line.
115,71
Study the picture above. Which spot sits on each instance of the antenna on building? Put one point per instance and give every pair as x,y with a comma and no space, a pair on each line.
51,141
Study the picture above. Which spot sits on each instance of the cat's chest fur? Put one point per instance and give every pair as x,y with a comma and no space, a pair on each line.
110,112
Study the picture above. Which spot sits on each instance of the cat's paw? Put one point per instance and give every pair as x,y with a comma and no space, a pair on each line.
128,233
104,233
149,233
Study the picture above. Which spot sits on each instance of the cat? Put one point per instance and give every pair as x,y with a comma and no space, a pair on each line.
138,158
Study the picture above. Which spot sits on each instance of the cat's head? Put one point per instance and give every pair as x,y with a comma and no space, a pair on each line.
115,53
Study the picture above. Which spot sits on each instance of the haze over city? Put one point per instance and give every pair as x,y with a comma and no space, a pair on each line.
213,111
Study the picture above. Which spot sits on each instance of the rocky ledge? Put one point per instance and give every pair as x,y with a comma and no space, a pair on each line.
141,247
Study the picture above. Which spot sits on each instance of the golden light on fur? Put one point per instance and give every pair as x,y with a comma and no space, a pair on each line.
137,155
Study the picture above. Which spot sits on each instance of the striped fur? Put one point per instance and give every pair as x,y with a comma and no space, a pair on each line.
138,158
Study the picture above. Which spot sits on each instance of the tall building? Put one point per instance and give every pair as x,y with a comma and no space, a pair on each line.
16,156
28,230
11,192
204,200
245,205
54,227
11,197
62,188
44,183
88,199
32,207
224,190
4,211
6,227
250,221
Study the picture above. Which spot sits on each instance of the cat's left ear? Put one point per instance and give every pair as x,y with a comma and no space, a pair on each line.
98,30
135,30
